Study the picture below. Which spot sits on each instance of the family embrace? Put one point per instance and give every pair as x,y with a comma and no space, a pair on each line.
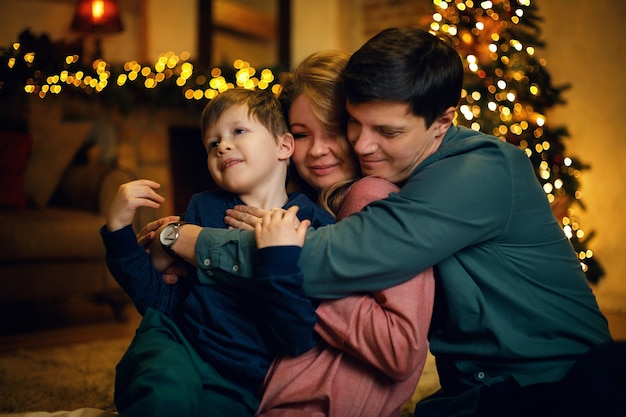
259,301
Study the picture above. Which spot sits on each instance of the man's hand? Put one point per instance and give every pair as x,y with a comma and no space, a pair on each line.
244,217
281,228
131,196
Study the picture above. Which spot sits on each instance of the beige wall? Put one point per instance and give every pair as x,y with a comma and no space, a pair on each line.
54,17
584,48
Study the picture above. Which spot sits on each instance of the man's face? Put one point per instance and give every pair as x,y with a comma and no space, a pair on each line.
389,140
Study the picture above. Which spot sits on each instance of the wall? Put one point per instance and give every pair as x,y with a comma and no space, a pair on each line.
583,49
54,17
321,24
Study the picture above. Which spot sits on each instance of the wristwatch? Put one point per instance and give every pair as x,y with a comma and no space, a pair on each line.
169,236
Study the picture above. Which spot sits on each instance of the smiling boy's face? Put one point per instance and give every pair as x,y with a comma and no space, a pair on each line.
242,154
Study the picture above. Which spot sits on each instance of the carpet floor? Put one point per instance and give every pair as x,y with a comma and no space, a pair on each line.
82,375
53,371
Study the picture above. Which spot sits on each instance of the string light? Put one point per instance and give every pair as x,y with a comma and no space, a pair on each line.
168,66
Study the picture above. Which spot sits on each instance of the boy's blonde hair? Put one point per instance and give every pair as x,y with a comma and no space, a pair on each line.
263,105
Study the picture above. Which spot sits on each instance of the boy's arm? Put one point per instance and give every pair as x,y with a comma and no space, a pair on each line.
126,258
288,312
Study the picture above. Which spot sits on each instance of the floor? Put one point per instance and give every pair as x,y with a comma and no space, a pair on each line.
112,329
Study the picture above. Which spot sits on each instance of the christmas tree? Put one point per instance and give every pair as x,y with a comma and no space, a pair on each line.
508,91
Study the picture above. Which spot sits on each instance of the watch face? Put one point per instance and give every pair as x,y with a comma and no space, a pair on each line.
168,235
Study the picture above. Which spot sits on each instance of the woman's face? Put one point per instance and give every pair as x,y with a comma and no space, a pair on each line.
321,159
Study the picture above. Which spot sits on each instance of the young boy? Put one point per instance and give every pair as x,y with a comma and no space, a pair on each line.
202,348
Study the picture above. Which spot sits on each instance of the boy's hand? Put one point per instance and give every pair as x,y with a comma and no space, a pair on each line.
130,197
281,228
244,217
173,273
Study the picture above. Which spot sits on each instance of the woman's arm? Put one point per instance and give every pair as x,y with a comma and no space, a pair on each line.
387,329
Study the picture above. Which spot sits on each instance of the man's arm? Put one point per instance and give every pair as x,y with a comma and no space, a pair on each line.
441,210
185,246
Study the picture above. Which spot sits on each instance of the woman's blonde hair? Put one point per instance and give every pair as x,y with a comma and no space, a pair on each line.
319,78
331,197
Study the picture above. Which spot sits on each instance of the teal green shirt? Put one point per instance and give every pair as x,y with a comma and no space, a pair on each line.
511,299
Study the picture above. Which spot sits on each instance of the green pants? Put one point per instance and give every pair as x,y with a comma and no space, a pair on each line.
162,375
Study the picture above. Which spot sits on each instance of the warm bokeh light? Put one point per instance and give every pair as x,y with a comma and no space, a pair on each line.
168,66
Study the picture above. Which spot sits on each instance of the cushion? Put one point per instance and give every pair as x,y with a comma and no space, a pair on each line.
61,234
52,152
14,151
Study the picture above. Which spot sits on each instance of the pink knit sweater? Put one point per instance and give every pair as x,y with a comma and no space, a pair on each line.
374,346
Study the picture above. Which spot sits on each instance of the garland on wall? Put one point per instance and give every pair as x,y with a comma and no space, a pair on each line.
507,90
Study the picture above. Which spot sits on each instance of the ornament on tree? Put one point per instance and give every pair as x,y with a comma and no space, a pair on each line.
508,91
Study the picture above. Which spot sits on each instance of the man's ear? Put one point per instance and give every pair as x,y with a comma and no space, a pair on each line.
286,146
443,122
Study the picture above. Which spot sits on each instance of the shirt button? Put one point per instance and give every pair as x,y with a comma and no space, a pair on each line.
480,375
439,332
235,268
207,262
209,273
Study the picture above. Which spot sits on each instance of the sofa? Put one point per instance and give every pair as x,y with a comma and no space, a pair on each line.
52,256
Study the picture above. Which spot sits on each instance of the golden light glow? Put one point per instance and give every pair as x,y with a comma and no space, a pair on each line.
504,105
97,9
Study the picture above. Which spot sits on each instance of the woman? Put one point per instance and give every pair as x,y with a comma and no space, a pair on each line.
374,346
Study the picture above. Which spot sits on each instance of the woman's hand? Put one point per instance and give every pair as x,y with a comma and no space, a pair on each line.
281,228
244,217
146,235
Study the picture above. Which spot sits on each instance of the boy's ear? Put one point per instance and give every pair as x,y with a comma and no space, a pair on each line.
443,122
286,146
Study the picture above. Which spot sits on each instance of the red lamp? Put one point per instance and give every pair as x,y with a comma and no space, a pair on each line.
97,17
